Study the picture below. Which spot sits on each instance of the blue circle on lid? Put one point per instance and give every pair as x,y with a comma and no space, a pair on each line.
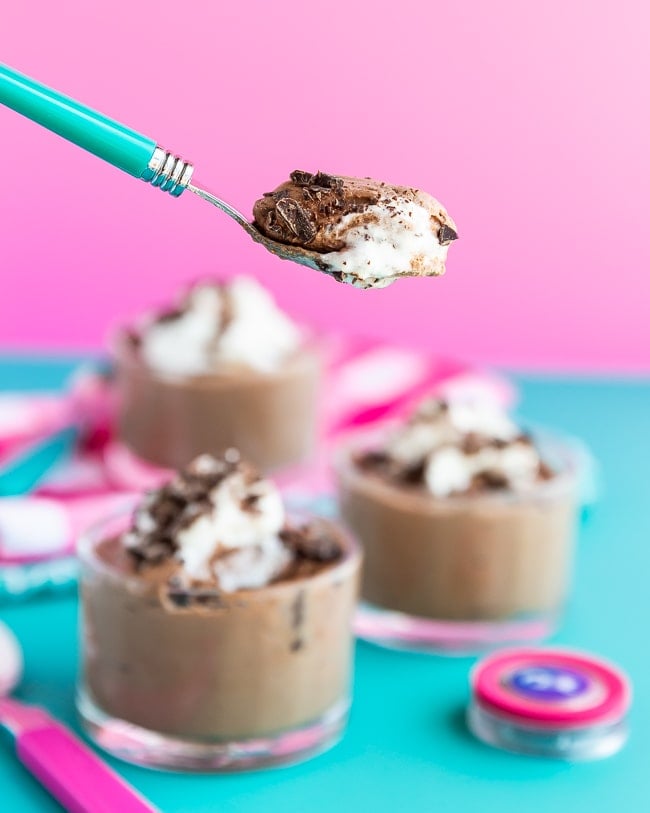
549,682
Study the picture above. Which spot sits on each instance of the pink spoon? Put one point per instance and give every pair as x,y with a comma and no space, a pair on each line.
74,775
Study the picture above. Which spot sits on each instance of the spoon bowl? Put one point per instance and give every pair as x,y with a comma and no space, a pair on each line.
296,254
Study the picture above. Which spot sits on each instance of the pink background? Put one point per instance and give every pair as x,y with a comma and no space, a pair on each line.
530,121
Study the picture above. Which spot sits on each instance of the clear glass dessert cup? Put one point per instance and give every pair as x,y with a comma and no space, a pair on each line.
169,419
227,682
461,574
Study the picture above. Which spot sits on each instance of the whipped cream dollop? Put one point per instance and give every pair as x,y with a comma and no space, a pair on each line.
457,448
224,526
395,237
217,326
219,520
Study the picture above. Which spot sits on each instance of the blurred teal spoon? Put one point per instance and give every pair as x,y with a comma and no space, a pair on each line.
25,469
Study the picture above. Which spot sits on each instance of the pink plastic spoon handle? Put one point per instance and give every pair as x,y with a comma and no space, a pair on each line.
74,775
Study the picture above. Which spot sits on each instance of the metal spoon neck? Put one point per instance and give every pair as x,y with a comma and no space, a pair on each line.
225,207
168,172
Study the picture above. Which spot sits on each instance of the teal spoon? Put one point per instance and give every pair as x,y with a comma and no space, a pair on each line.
127,150
23,472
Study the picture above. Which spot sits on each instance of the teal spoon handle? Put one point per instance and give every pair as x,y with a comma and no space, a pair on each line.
121,146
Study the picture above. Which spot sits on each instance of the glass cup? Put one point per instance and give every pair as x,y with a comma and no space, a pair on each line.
226,681
168,420
465,573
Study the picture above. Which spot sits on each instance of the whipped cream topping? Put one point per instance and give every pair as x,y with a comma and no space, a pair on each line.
224,526
218,326
456,448
219,520
235,538
450,470
395,237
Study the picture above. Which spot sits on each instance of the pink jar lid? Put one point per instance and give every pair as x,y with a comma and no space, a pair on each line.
550,688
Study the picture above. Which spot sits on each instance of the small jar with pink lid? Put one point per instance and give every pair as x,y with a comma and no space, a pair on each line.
550,702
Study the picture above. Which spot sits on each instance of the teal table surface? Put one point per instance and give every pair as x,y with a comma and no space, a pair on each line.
407,747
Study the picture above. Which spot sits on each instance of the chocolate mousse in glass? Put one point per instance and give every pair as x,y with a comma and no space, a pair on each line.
467,525
216,631
225,367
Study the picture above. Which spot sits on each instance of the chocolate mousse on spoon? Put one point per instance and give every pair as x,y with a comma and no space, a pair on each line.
358,230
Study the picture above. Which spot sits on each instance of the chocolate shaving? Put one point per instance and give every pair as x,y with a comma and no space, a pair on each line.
250,503
165,509
491,480
186,597
318,180
301,178
372,459
296,219
185,594
151,550
179,597
169,315
446,235
190,513
195,483
413,474
325,181
313,542
525,438
208,598
132,338
298,610
545,472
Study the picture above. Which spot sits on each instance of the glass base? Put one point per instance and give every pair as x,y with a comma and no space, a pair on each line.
414,634
152,749
574,745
